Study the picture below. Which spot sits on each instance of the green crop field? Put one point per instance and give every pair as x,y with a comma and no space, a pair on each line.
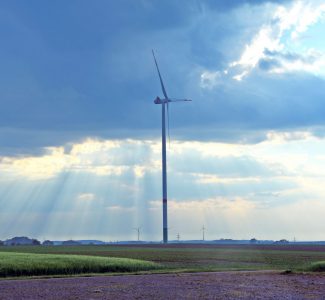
172,258
31,264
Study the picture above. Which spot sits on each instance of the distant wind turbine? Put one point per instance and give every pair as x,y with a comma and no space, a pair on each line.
163,103
203,232
138,231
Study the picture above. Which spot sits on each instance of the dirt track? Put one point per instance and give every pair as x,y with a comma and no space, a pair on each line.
217,285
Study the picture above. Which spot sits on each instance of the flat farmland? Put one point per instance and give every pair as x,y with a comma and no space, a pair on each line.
184,272
197,257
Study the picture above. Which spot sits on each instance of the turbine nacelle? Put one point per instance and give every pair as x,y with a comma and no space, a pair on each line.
161,101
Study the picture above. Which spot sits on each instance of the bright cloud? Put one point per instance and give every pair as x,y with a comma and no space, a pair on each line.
210,79
39,167
279,45
229,183
86,197
91,156
265,39
300,16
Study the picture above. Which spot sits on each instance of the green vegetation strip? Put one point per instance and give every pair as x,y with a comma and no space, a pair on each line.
318,266
27,264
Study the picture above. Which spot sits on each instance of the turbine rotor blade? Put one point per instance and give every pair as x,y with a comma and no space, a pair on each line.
178,100
161,81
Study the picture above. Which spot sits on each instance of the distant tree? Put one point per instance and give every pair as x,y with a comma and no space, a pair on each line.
253,241
47,243
19,240
283,241
35,242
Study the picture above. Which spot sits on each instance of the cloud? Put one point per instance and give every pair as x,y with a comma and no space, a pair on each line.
209,169
204,178
98,87
242,219
273,40
209,79
223,166
80,136
227,5
66,86
86,197
312,61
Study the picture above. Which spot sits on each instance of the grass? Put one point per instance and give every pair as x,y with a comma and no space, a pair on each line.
318,266
180,258
29,264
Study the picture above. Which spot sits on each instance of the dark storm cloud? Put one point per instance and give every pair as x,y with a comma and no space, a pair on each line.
73,69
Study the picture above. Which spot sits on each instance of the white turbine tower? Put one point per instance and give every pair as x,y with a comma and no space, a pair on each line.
163,103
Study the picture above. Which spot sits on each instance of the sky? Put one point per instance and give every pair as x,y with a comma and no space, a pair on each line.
80,136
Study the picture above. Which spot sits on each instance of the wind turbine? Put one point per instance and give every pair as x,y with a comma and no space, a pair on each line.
138,231
163,103
203,232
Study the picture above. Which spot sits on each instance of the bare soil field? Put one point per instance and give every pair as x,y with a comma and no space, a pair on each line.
214,285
